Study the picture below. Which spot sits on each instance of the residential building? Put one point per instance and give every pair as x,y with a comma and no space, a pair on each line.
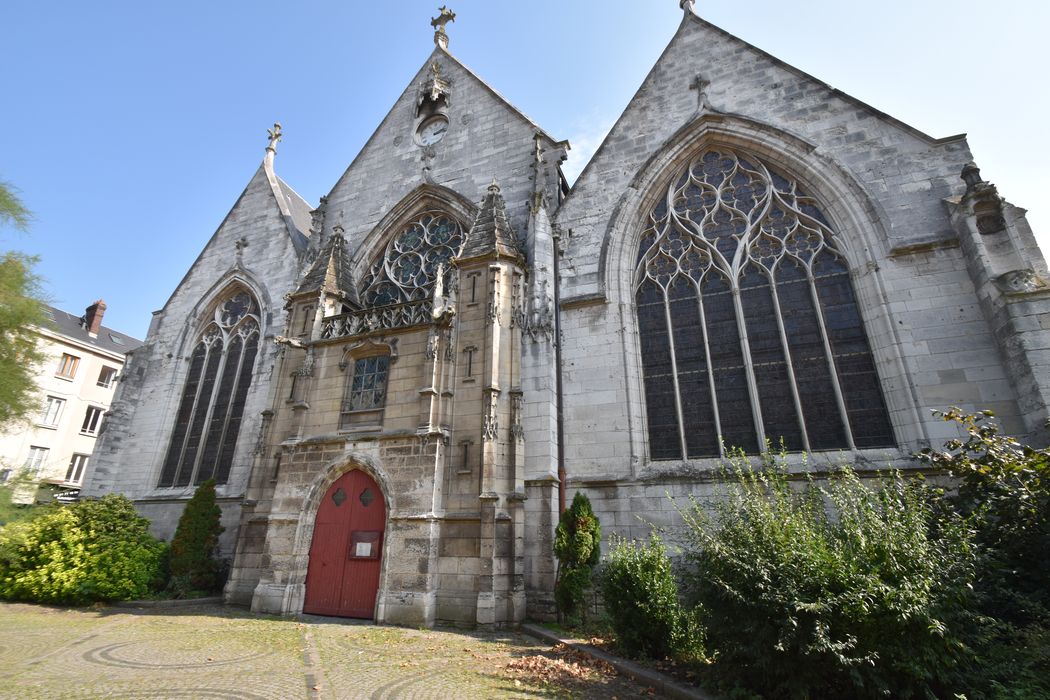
76,381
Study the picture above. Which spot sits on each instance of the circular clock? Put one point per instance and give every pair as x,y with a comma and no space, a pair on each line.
432,130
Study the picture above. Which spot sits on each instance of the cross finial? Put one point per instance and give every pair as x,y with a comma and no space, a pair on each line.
445,16
686,5
703,102
275,136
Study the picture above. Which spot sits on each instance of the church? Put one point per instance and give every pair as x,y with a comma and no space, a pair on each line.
398,388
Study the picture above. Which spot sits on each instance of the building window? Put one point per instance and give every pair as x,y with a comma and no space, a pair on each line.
92,419
208,418
52,412
107,376
409,266
67,366
749,328
75,473
365,393
35,460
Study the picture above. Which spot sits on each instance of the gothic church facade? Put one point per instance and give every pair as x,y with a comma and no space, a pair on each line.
396,390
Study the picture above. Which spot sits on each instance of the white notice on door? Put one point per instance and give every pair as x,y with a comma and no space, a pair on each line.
364,549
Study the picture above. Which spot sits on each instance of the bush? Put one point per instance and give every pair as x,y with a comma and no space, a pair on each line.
641,601
1004,489
88,551
577,545
844,591
192,562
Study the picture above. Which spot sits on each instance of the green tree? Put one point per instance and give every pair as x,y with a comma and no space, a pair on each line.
576,544
20,311
193,563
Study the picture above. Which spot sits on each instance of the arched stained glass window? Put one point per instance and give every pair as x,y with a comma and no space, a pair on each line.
408,267
749,328
209,415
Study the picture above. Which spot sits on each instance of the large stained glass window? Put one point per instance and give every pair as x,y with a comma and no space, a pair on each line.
409,265
749,328
208,419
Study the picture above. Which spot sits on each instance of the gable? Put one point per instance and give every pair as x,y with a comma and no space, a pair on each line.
487,139
706,72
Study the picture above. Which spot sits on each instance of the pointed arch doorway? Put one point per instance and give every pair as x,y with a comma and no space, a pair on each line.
342,578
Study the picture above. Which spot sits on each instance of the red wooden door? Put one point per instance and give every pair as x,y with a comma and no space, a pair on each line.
343,576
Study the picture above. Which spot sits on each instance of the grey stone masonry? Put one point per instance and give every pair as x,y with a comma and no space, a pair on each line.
461,327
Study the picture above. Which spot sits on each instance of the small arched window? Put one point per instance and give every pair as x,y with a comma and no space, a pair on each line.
408,267
749,328
209,415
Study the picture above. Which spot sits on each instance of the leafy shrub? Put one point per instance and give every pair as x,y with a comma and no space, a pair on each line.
192,561
88,551
848,590
641,601
577,546
1004,489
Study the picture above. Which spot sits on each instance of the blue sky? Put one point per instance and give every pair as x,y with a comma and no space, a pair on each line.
130,128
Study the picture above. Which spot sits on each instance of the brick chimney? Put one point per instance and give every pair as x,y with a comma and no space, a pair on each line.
93,317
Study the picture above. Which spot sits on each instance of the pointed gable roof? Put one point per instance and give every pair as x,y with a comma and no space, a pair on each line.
491,234
330,272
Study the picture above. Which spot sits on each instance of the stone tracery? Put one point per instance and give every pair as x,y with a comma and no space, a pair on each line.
749,327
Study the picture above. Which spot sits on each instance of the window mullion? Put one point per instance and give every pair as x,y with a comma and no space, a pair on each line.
830,356
211,407
710,372
674,378
749,367
229,407
787,361
193,414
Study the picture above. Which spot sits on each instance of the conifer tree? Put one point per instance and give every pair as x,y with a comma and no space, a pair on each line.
576,544
193,563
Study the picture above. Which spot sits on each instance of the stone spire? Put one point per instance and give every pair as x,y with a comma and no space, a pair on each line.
445,16
491,234
330,272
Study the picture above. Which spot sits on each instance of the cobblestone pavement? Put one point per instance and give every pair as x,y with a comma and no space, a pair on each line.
217,653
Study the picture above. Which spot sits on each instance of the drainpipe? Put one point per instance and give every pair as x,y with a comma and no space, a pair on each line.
556,236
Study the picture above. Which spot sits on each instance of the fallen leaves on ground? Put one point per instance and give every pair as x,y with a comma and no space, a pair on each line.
562,663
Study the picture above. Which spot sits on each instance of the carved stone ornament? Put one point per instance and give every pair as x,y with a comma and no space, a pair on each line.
490,427
306,369
1020,282
538,318
274,135
445,16
435,88
517,404
431,351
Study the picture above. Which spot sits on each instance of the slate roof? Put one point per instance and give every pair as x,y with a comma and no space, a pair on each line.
297,207
491,231
71,326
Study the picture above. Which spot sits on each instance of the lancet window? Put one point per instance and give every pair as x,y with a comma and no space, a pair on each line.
208,419
409,265
749,327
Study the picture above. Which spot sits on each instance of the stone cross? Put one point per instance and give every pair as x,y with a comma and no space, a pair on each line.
275,136
700,84
445,16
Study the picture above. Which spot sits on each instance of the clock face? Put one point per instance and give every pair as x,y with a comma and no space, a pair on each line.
432,130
